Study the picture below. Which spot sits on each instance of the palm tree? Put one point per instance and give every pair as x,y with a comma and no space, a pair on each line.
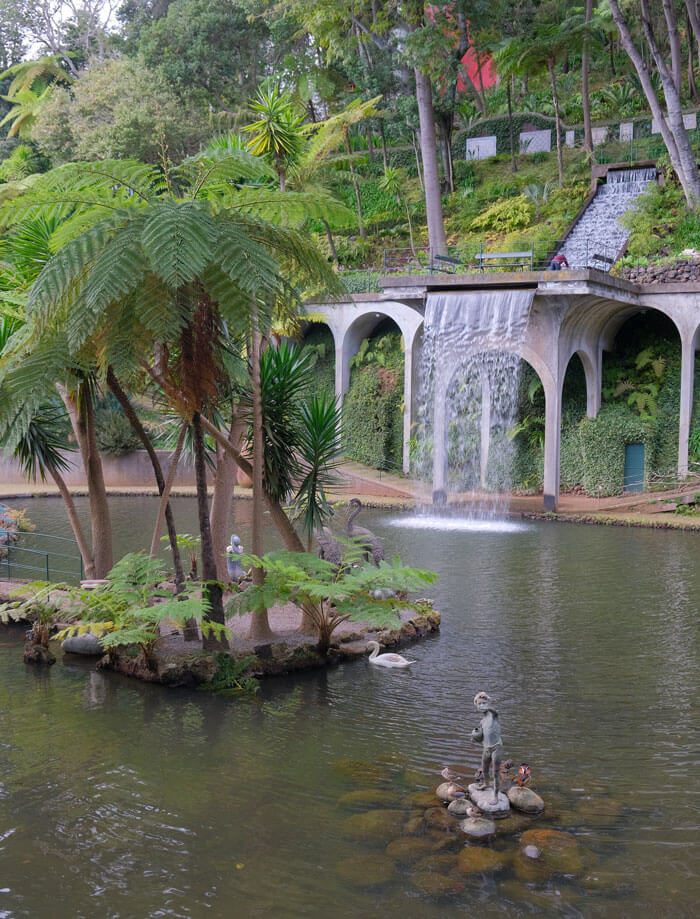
153,272
279,131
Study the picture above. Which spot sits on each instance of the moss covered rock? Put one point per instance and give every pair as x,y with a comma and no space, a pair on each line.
480,860
379,826
409,849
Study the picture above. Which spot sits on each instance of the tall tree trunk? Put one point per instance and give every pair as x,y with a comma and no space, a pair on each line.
383,136
165,493
358,199
557,121
74,520
585,92
692,10
289,535
128,409
211,589
674,40
671,124
259,625
692,87
611,49
418,167
431,178
82,417
331,241
511,137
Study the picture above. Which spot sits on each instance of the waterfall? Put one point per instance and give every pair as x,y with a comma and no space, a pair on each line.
468,392
598,232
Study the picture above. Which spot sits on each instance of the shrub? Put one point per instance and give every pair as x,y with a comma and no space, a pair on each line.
601,444
115,436
371,412
505,216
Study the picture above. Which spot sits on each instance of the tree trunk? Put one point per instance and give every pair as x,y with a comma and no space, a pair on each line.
611,49
370,145
383,136
418,169
74,520
557,122
674,40
128,409
211,589
672,128
433,202
331,241
284,525
165,493
259,625
692,87
358,199
692,9
585,92
513,161
410,228
82,417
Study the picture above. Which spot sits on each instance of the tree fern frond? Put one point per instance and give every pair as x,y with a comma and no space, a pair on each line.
217,166
177,240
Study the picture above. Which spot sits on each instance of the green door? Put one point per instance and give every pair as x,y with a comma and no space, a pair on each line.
634,467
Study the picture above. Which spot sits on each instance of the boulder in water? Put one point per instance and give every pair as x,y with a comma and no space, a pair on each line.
483,798
408,849
379,826
38,654
481,860
525,800
459,807
478,828
87,644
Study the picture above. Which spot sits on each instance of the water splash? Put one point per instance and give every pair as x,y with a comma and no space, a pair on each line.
468,394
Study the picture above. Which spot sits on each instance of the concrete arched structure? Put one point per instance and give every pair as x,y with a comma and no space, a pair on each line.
352,321
576,312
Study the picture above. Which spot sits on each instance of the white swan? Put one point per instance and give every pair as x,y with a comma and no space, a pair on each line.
386,660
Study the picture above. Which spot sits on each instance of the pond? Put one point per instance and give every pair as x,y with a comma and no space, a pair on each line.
120,799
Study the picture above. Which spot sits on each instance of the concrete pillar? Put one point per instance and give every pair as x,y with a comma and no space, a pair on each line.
342,372
686,409
594,383
552,439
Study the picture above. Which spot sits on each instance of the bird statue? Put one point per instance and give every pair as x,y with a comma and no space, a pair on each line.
328,546
233,560
365,538
386,660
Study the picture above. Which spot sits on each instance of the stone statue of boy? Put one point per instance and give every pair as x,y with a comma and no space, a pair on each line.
489,733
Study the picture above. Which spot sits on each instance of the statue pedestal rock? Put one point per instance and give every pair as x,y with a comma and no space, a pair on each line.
483,799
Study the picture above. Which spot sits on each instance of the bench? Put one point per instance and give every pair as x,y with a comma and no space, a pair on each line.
444,263
605,259
510,260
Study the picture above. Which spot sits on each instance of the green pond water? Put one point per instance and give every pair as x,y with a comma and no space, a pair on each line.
120,799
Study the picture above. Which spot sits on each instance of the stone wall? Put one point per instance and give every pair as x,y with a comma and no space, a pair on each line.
131,470
675,272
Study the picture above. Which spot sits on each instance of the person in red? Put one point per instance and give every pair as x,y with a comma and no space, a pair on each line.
558,262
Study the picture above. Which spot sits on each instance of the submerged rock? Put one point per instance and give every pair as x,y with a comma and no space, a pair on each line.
478,828
422,799
525,800
368,797
481,860
449,791
440,863
408,849
361,772
438,818
435,885
373,826
544,853
366,870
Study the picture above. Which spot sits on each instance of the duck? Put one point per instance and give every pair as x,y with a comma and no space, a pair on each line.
386,660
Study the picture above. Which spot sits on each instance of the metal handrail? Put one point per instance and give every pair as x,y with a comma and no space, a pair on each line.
10,551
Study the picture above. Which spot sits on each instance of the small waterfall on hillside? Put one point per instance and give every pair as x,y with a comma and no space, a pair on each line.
468,393
598,232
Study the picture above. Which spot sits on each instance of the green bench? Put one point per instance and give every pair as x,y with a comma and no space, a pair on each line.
507,260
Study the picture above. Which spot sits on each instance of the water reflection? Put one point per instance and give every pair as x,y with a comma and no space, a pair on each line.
135,800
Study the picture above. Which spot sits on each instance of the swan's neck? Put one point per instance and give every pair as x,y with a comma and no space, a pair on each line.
356,510
375,651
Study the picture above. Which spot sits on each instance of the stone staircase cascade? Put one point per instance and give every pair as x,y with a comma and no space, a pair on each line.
598,232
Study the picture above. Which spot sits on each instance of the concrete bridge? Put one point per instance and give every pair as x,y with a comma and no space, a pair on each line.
575,312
